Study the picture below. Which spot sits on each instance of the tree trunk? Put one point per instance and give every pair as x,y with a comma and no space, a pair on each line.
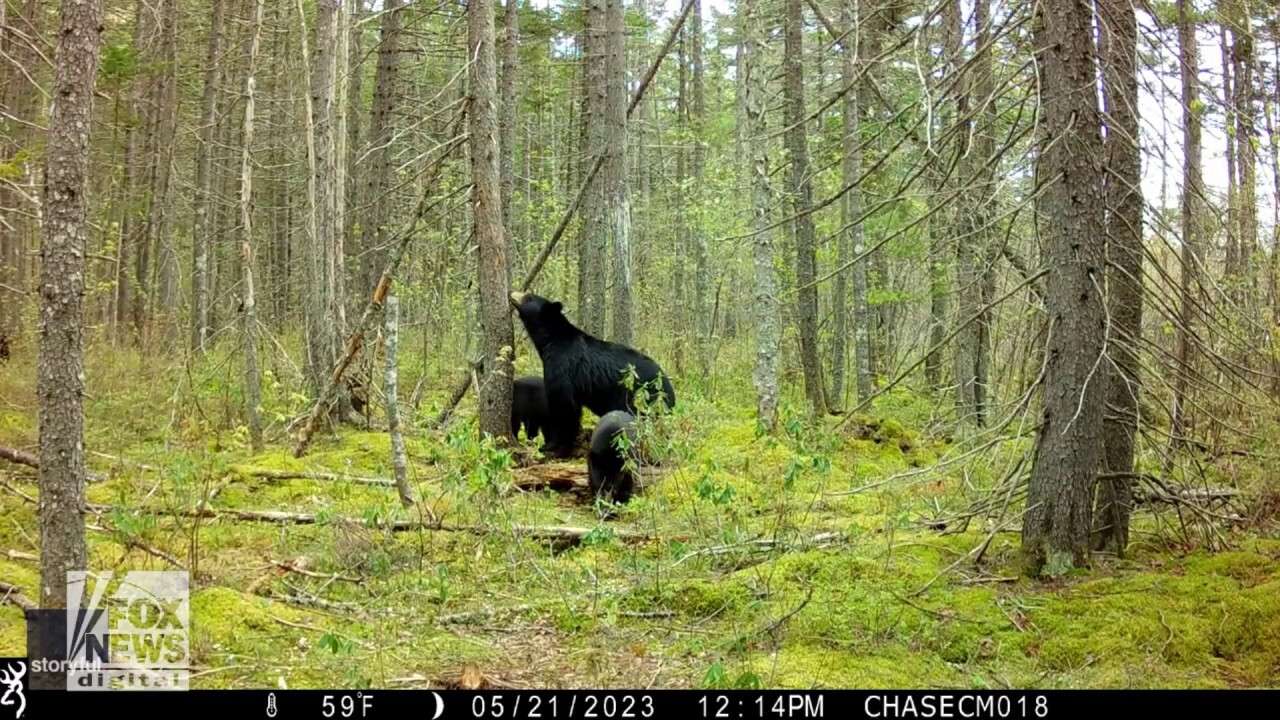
494,392
381,130
1246,132
802,204
60,374
1192,192
139,143
399,463
614,173
864,368
160,212
507,126
354,144
253,378
1231,265
202,242
320,329
338,177
765,303
702,312
1124,299
594,255
1055,530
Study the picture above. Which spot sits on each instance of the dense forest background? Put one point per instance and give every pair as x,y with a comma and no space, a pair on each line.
971,308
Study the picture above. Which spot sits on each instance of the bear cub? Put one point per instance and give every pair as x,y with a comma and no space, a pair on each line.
528,406
609,478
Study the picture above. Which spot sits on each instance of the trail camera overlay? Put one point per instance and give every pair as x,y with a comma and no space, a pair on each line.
133,634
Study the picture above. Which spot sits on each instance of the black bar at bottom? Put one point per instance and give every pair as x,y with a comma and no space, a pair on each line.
628,704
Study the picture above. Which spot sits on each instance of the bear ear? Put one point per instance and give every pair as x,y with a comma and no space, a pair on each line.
556,307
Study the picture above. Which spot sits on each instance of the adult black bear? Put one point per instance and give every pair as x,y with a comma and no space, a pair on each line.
607,474
582,371
528,406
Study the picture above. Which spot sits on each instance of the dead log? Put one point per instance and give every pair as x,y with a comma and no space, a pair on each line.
568,477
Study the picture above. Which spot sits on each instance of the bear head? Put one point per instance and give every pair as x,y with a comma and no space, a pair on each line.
543,319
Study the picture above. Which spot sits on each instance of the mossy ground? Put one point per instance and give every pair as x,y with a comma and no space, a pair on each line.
767,570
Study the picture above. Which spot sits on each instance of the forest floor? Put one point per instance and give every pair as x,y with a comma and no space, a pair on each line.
819,558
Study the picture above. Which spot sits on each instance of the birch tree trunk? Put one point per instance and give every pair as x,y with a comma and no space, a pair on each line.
253,377
391,334
765,305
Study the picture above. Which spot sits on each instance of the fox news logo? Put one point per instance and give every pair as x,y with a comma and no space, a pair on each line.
136,638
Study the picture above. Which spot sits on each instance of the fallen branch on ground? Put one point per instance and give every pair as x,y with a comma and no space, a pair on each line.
568,477
19,457
13,594
19,555
303,475
464,617
132,542
557,533
294,567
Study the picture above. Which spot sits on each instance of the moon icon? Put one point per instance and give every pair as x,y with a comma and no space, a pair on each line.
439,705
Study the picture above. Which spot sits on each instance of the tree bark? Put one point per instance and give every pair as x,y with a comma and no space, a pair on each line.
702,312
1247,157
160,214
507,125
802,204
391,332
1124,299
202,242
381,129
864,367
1055,530
253,378
498,341
1192,193
594,256
614,171
354,141
60,372
320,329
765,302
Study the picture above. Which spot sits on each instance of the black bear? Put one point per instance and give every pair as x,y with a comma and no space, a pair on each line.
528,406
582,371
607,474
